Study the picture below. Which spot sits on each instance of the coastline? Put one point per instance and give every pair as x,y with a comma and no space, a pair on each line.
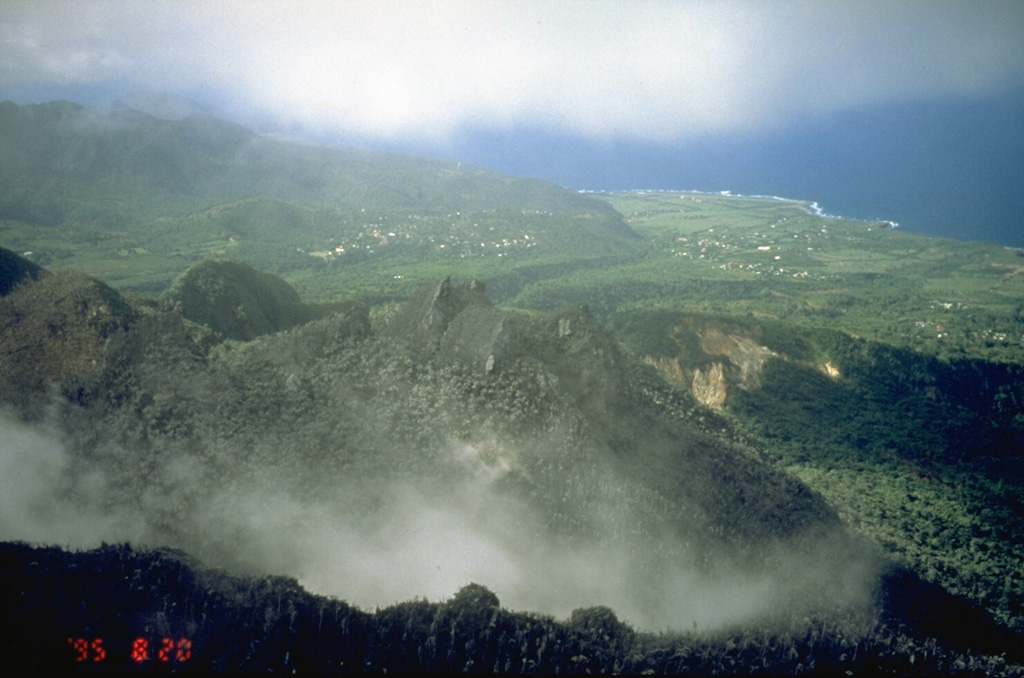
809,206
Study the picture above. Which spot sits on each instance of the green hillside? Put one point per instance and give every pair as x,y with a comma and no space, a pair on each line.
885,369
919,454
135,200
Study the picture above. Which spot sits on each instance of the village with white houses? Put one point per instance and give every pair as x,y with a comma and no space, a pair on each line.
455,234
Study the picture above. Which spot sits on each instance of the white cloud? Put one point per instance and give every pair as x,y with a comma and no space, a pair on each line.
654,70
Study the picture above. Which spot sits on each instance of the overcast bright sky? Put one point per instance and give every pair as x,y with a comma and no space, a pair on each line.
659,71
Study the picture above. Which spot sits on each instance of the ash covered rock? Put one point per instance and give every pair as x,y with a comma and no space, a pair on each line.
586,357
457,319
425,317
479,335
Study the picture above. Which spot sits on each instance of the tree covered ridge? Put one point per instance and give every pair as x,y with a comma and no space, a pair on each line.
15,269
921,454
121,169
962,408
270,625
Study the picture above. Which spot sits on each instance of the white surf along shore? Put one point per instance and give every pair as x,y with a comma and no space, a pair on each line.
810,205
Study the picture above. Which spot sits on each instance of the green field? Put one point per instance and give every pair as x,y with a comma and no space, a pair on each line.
724,254
778,260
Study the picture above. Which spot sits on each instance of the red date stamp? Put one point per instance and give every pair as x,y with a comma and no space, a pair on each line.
167,650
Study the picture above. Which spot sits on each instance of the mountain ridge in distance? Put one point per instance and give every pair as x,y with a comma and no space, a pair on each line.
162,105
72,133
134,200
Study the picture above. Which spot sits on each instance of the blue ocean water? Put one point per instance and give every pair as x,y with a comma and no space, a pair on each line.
952,168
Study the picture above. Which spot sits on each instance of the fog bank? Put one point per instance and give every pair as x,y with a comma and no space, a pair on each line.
375,542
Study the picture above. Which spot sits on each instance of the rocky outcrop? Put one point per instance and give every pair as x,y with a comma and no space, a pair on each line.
425,318
830,370
746,355
586,357
709,387
457,319
460,322
710,358
479,335
718,360
670,368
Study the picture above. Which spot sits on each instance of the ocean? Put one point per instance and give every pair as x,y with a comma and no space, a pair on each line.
951,168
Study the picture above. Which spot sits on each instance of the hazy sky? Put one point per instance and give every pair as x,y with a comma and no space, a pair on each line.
597,80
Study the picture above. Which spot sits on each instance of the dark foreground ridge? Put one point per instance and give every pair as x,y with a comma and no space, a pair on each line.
116,609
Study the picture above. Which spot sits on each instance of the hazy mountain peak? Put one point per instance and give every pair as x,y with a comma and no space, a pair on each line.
161,105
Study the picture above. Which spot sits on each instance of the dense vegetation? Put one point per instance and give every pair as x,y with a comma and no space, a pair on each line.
135,200
235,625
745,374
